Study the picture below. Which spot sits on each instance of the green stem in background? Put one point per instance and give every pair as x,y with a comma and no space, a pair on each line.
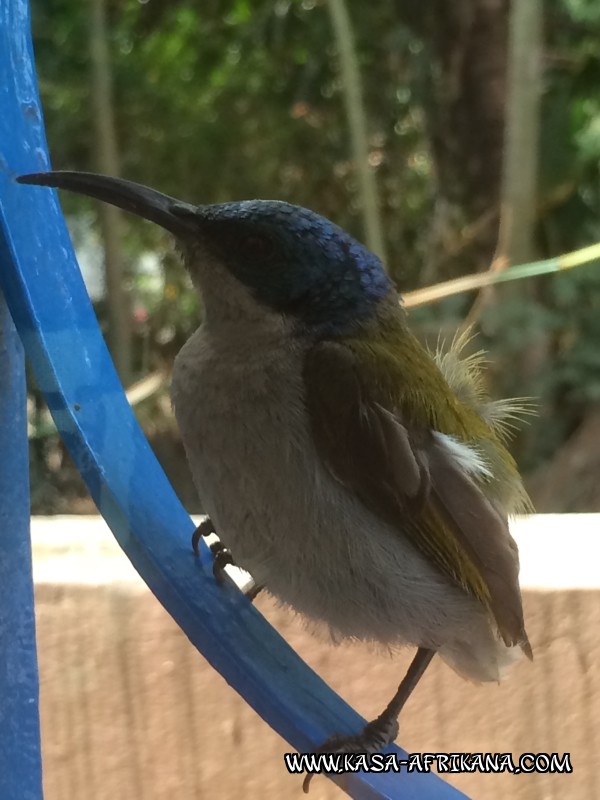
431,294
357,125
519,197
106,156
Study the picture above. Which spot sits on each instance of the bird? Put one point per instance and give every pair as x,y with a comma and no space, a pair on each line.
363,480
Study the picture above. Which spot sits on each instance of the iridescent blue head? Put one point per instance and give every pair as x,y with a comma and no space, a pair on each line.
291,260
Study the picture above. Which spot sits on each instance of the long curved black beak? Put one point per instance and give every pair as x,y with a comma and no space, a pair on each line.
165,211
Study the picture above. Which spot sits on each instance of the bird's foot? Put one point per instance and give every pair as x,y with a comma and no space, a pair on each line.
374,737
225,569
204,530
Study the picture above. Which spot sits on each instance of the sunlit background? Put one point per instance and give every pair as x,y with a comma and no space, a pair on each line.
219,101
453,138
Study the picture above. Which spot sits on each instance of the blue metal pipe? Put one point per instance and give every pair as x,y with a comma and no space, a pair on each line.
20,756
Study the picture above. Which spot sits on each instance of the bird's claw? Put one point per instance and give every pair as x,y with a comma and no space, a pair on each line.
204,530
221,555
223,559
374,737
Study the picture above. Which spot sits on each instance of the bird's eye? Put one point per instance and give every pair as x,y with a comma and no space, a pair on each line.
257,247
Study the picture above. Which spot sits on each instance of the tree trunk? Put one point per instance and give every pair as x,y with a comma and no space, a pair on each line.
465,53
357,126
107,160
519,184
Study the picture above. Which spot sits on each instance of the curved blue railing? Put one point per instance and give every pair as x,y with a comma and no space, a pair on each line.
42,285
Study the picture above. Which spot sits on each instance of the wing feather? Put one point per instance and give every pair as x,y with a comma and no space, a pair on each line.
402,473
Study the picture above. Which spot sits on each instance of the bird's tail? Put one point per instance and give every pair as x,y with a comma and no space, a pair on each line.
485,660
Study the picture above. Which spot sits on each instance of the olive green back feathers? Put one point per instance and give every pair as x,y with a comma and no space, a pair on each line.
416,438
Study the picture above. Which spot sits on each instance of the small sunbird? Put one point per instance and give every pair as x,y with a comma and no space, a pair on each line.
360,479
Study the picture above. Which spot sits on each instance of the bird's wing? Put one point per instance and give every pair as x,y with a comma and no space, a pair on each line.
402,473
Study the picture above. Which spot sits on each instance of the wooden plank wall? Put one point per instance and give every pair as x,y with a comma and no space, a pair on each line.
131,710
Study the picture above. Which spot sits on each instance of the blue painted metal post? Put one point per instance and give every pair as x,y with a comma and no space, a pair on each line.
20,759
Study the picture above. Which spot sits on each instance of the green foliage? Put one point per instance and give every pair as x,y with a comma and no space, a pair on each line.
219,101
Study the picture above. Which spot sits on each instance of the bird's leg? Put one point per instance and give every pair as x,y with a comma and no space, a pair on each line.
381,731
222,556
